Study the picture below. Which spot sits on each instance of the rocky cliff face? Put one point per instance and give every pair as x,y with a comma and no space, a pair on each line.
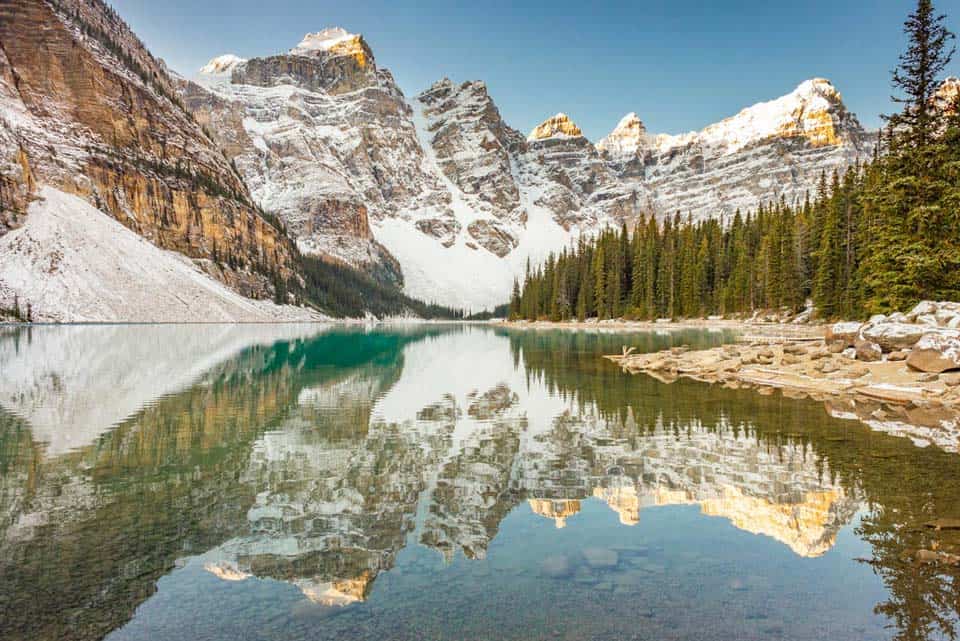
323,138
767,151
426,193
472,143
87,110
577,186
948,94
439,193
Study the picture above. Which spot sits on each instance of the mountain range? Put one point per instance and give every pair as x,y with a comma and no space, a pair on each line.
216,183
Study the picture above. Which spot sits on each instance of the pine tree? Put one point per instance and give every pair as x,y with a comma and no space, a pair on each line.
652,257
666,271
790,263
514,309
689,296
625,267
614,276
600,281
699,305
827,285
917,77
903,259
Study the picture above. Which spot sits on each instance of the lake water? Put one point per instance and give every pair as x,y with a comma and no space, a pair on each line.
461,483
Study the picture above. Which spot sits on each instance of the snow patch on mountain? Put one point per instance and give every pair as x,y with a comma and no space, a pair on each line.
462,201
322,41
76,263
222,64
627,137
462,273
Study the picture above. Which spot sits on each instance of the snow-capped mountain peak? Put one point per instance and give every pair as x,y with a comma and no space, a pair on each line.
629,135
814,111
325,40
630,123
559,125
948,93
222,64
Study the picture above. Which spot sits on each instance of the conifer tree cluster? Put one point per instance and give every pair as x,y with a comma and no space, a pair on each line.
874,238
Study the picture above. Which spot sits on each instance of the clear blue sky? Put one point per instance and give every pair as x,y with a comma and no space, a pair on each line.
680,64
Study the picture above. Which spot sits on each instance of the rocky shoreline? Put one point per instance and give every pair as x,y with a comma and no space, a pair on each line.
746,328
898,374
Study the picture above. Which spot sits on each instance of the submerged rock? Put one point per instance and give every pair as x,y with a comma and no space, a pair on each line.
557,567
944,524
936,557
601,557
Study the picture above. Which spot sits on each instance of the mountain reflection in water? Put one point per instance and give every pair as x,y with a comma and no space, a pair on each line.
443,482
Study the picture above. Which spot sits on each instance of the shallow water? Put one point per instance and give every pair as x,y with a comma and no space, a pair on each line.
300,482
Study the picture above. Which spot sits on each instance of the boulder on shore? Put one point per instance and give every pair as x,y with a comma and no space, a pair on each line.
846,333
868,351
923,308
935,352
894,336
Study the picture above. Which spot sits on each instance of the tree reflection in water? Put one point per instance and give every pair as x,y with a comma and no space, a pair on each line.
314,457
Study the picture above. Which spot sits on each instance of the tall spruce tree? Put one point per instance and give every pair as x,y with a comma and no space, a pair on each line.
904,258
917,77
600,281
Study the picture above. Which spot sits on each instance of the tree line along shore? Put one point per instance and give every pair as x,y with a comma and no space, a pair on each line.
876,238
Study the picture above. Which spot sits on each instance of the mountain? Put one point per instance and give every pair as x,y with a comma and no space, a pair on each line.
440,195
316,151
323,138
422,192
768,151
89,118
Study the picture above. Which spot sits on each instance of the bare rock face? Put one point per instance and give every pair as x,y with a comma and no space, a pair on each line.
948,94
472,143
628,148
936,353
445,230
324,140
572,180
492,237
846,333
559,125
89,111
332,61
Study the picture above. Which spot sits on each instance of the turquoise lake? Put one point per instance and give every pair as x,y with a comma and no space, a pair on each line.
438,482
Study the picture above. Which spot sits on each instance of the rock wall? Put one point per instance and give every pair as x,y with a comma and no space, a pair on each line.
89,111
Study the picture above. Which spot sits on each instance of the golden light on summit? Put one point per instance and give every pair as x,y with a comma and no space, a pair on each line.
559,124
623,500
352,47
817,127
